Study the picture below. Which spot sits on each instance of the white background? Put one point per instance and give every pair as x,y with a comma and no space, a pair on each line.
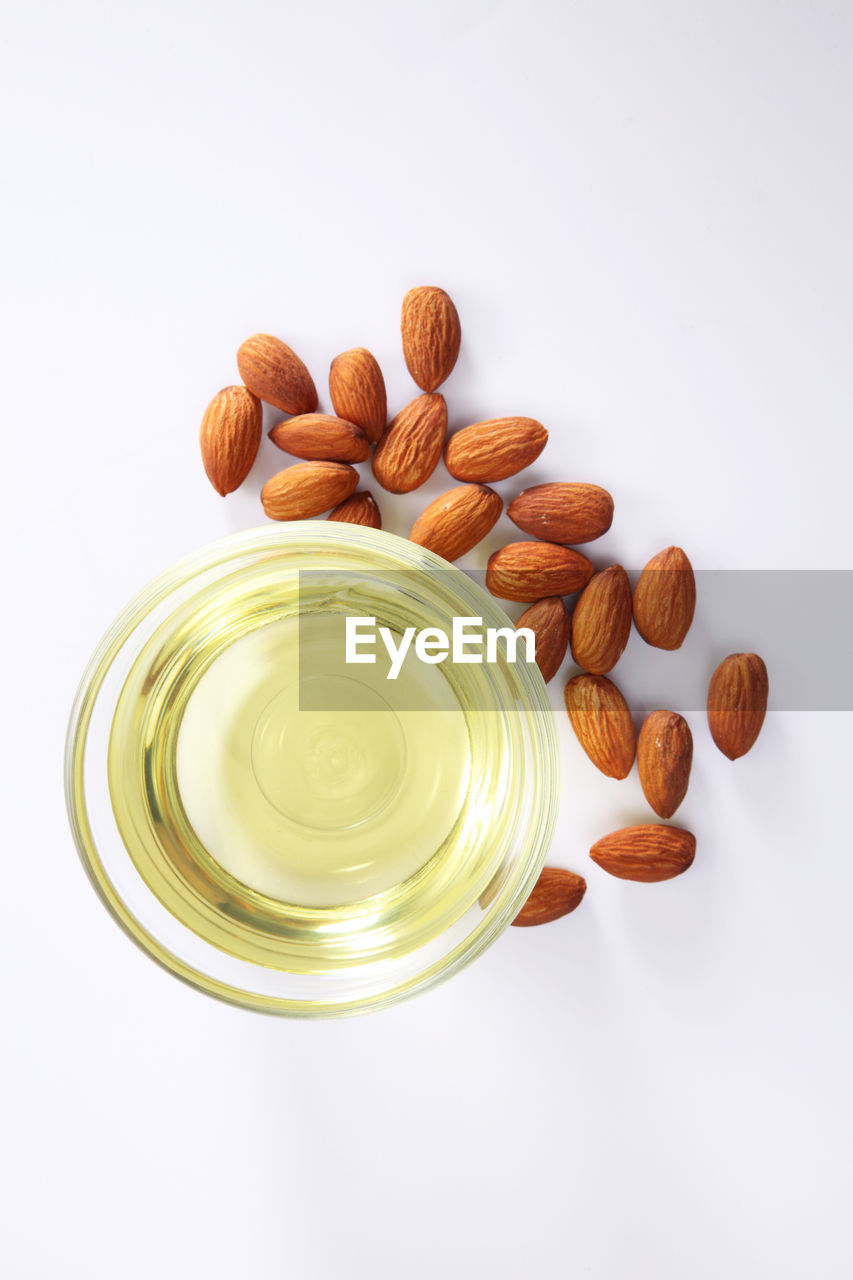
643,212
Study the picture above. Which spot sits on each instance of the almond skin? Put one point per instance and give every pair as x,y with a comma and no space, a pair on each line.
647,853
457,521
494,450
409,451
602,723
664,757
548,619
665,599
528,571
563,512
308,489
357,389
276,375
555,894
737,703
431,334
601,622
321,438
361,508
229,437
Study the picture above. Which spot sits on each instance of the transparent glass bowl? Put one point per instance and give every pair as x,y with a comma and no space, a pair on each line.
184,919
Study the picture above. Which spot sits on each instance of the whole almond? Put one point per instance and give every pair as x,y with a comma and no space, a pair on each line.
456,522
548,619
647,853
664,757
431,335
529,571
276,374
665,599
409,451
602,722
563,512
555,894
359,509
357,389
737,703
601,622
320,437
229,437
308,489
494,450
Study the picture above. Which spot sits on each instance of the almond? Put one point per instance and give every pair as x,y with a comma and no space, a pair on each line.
456,521
601,622
409,451
548,619
602,723
737,703
647,853
529,571
359,509
665,599
276,374
555,894
320,437
563,512
357,389
664,757
229,437
494,450
308,489
431,335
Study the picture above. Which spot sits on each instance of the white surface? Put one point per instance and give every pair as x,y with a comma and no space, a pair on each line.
643,212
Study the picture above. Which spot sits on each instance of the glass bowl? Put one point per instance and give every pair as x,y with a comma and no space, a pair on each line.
294,836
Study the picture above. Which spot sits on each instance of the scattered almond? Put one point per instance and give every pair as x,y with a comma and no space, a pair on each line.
527,571
601,622
563,512
664,757
229,437
646,853
409,451
458,520
361,508
737,703
548,619
665,599
494,450
307,490
431,335
276,374
320,437
357,389
602,723
555,894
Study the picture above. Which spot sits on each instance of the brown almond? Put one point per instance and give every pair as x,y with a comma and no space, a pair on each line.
548,619
431,335
602,722
737,703
308,489
229,437
457,521
276,374
601,622
528,571
563,512
357,389
321,438
665,599
361,508
494,450
664,757
409,451
647,853
555,894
